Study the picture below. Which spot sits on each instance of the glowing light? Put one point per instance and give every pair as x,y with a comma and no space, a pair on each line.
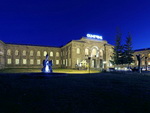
104,62
94,36
47,69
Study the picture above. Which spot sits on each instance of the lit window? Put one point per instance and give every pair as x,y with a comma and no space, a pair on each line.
45,53
57,62
101,53
148,62
24,53
78,50
78,61
149,55
31,53
24,61
57,54
51,53
143,62
38,61
38,53
93,52
17,61
63,61
86,51
9,61
31,61
8,52
16,52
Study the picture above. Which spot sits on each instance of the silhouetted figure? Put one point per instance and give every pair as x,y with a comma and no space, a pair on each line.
47,65
146,63
139,62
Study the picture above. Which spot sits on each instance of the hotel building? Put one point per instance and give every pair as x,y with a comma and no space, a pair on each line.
82,53
77,53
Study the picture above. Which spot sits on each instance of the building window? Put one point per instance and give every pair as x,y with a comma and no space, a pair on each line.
86,51
57,62
24,61
143,62
38,61
16,52
149,55
148,62
31,53
9,61
78,61
31,61
24,53
8,52
51,53
38,53
63,61
16,61
57,54
93,52
101,53
78,50
45,53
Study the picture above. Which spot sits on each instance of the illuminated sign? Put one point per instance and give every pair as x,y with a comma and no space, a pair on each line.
94,36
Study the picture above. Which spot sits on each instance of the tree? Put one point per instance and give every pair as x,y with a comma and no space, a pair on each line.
128,52
117,57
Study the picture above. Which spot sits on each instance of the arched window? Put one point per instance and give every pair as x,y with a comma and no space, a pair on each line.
101,53
31,53
149,55
38,53
45,53
51,53
86,51
78,50
24,53
16,52
94,51
8,52
57,54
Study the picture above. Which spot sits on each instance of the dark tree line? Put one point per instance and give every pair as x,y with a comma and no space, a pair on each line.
122,53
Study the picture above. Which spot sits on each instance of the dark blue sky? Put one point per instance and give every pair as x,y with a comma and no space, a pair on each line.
55,22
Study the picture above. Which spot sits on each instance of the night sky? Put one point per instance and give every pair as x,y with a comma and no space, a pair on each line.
56,22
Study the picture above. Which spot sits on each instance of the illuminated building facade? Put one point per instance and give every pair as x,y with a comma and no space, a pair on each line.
81,53
145,55
88,51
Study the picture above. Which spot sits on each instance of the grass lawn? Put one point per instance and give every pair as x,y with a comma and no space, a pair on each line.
54,70
81,93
